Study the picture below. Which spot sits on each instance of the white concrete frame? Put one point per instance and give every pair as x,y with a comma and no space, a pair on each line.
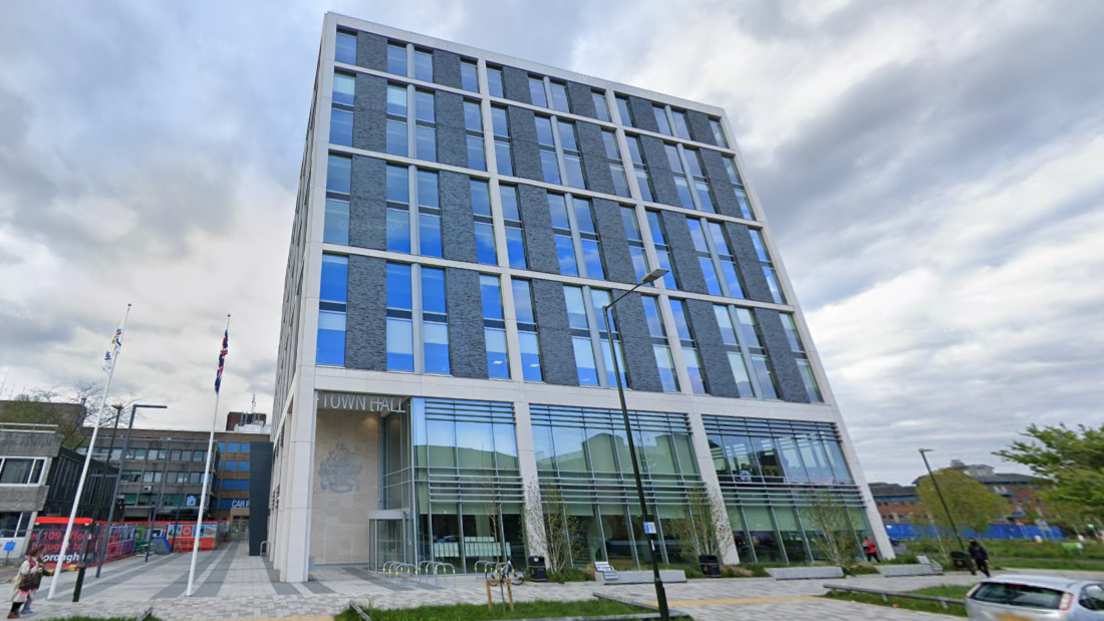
294,425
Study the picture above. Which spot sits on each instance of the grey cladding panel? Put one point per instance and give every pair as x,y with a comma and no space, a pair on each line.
446,68
699,127
663,181
557,352
747,263
368,204
723,193
540,245
457,221
467,347
370,116
636,341
643,114
515,84
371,51
714,358
683,255
366,317
615,245
452,146
790,385
581,101
595,163
522,124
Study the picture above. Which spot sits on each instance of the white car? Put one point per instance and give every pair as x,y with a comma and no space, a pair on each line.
1036,598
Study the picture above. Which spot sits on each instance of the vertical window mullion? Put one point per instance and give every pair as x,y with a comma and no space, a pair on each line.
418,326
688,176
415,215
592,322
411,114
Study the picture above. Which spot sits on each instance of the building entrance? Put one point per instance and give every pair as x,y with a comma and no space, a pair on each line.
390,538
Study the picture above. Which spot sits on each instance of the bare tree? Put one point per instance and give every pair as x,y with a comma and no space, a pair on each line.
73,409
703,526
836,538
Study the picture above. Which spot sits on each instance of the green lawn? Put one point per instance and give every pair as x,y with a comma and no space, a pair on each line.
473,612
1078,564
949,591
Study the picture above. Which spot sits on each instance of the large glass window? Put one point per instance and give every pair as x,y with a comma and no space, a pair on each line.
336,228
435,321
580,336
341,113
494,328
344,89
561,227
429,214
718,133
601,299
400,318
804,366
689,347
484,223
396,58
332,301
473,125
423,65
686,199
549,164
572,157
515,235
536,92
767,265
398,208
345,48
559,96
494,81
731,281
717,263
701,185
661,120
339,172
588,238
636,242
425,131
617,169
501,129
397,115
663,251
738,188
601,108
682,129
760,366
527,331
705,258
660,348
469,75
640,169
736,355
21,471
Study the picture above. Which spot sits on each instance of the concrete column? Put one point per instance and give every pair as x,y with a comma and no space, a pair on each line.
295,493
704,456
527,467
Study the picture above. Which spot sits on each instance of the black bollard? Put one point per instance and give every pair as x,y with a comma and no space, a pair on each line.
80,568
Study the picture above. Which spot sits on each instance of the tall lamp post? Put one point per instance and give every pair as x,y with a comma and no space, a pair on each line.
969,562
115,492
661,593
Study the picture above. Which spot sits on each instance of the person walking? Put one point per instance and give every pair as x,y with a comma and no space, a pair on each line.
26,581
36,581
870,549
980,556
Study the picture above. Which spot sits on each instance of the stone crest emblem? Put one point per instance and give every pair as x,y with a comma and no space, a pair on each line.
339,472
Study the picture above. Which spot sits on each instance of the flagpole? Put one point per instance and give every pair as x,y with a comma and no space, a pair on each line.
84,471
206,482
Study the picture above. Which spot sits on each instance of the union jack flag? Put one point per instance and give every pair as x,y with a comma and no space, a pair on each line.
222,358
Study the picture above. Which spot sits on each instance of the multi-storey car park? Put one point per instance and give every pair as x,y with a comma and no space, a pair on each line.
462,218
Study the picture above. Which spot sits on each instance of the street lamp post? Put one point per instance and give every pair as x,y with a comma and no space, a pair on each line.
969,562
160,495
661,593
115,492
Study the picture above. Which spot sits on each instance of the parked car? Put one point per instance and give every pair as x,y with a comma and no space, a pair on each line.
1036,598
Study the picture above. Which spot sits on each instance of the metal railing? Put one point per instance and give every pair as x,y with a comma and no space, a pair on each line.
29,427
943,601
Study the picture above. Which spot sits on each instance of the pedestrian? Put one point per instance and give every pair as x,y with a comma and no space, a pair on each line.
36,581
26,581
980,556
870,549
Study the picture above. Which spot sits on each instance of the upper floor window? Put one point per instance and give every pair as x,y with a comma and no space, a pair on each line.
339,174
423,65
617,169
682,130
686,199
663,251
661,120
494,328
768,266
738,188
689,346
21,471
601,108
345,48
396,59
536,92
643,179
658,334
400,318
718,133
469,75
511,219
494,81
425,133
398,142
559,97
484,223
527,331
804,366
501,129
332,300
344,89
580,339
473,125
636,242
624,111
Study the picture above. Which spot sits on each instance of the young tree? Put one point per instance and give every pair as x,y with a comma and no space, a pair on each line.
836,539
1073,460
971,503
545,506
702,526
72,409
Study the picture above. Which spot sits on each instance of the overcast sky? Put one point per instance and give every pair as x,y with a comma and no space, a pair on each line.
933,172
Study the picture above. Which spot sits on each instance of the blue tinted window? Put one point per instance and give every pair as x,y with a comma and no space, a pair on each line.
678,312
536,92
709,271
335,278
398,184
243,466
232,447
423,65
494,81
476,157
515,248
550,167
469,76
576,308
697,235
331,338
436,348
623,110
655,322
429,228
600,106
398,286
503,158
396,100
398,230
485,243
593,259
345,48
433,290
245,447
530,356
428,195
221,446
558,208
243,485
492,297
544,131
396,138
336,230
344,89
583,216
498,358
230,466
426,142
481,198
396,58
584,361
473,116
498,122
523,302
341,127
559,97
423,106
339,174
400,344
565,250
508,196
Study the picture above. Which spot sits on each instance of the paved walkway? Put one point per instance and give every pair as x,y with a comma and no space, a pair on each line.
232,585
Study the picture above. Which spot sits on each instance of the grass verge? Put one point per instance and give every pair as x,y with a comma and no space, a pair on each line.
1073,564
948,591
475,612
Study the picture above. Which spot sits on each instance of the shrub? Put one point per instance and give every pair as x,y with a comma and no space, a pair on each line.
570,574
737,571
858,569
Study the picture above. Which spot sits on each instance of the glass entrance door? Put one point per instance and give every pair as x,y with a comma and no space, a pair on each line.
390,539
